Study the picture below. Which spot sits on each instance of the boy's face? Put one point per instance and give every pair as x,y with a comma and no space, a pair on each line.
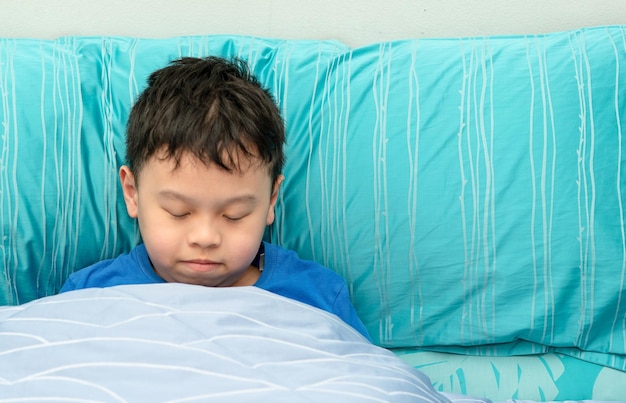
200,224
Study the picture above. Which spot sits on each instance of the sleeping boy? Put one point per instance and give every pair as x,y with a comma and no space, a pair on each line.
204,151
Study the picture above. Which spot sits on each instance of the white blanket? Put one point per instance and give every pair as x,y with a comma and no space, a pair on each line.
175,342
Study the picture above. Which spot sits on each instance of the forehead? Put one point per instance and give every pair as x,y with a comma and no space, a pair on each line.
235,161
187,166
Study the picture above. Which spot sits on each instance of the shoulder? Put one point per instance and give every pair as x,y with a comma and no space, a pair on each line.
286,260
287,274
306,281
127,268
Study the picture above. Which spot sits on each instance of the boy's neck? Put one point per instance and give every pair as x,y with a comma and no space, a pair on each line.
259,260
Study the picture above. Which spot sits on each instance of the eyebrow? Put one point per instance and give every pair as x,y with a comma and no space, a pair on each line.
170,194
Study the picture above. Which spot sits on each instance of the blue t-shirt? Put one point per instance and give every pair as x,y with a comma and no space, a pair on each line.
284,273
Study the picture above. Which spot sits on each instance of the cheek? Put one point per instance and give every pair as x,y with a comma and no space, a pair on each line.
158,232
242,253
163,249
245,242
158,242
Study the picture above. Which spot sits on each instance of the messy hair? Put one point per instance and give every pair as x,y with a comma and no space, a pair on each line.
212,108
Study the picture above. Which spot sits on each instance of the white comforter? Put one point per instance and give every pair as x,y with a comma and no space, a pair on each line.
175,343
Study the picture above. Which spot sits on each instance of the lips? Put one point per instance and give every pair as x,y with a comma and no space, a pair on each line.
201,265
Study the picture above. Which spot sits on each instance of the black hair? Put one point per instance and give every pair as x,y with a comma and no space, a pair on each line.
213,108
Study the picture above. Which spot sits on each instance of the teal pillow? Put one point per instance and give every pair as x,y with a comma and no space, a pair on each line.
471,191
65,103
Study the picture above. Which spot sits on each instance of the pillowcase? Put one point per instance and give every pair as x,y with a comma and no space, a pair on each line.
65,104
471,190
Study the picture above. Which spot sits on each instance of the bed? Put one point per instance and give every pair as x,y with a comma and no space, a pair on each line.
469,190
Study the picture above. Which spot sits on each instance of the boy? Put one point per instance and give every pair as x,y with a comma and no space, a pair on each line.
205,154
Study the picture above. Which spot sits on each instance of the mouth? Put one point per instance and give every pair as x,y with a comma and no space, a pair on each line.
200,265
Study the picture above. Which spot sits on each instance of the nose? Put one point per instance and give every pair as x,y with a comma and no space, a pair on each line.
205,234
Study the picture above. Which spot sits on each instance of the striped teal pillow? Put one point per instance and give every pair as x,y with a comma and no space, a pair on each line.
471,190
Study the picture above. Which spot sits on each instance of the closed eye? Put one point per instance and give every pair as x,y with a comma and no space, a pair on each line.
234,218
176,214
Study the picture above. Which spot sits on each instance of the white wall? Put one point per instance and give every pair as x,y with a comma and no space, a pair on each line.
355,22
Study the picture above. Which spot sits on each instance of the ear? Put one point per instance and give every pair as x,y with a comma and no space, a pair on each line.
271,214
129,187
